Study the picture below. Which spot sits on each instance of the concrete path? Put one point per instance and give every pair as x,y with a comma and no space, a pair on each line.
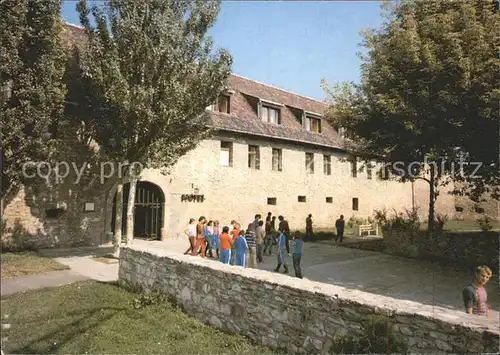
83,266
52,279
83,261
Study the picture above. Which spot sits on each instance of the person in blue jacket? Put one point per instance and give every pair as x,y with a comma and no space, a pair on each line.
241,247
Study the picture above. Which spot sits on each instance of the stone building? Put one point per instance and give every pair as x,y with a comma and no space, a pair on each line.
272,151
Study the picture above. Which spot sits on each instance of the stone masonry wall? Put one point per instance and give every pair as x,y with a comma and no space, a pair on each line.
300,315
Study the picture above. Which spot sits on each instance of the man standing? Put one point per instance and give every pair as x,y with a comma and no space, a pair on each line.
200,237
260,235
475,296
339,224
309,227
269,235
284,228
298,251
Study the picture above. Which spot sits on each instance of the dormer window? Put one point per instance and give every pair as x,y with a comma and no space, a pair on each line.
312,123
221,104
270,114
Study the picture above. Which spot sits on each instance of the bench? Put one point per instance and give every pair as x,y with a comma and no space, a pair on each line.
366,230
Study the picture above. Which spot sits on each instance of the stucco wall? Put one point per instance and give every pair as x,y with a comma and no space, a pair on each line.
297,314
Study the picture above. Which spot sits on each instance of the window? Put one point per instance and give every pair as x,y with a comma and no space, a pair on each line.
270,114
369,171
355,204
253,157
271,200
327,165
221,104
226,153
354,168
329,200
277,159
301,199
313,124
310,163
478,209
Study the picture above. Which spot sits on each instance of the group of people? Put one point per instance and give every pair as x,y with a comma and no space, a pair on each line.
246,248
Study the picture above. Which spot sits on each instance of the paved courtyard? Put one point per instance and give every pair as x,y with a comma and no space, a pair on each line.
374,272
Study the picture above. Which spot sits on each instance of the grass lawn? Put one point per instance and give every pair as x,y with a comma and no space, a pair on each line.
99,318
27,263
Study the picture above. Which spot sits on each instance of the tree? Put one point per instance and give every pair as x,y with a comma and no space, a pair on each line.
32,65
428,94
151,74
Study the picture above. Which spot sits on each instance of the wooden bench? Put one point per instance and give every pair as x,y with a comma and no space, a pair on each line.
366,230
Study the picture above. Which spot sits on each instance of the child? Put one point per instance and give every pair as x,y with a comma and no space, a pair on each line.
216,237
475,296
235,232
209,232
298,251
225,245
191,233
282,243
241,247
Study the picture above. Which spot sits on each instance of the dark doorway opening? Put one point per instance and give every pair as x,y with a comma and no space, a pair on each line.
148,211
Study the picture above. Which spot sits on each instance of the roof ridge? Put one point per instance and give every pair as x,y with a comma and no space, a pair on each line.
277,88
73,25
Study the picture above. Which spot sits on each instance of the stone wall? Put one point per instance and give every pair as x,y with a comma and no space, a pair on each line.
467,249
300,315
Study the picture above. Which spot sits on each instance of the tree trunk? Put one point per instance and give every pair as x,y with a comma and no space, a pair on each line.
130,211
118,216
432,199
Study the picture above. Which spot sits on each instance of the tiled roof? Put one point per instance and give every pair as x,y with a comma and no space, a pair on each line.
251,124
256,127
248,122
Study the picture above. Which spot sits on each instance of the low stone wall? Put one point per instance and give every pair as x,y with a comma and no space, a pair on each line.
302,316
464,248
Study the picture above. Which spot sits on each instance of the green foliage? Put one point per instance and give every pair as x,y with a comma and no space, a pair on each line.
484,223
407,221
440,221
428,93
150,299
378,338
148,68
32,65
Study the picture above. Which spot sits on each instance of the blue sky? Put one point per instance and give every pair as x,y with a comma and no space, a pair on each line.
289,44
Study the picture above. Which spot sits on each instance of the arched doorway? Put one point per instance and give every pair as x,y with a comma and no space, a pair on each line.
148,210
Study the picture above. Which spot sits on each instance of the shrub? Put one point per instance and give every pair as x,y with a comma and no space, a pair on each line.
484,223
440,221
408,221
355,221
378,338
